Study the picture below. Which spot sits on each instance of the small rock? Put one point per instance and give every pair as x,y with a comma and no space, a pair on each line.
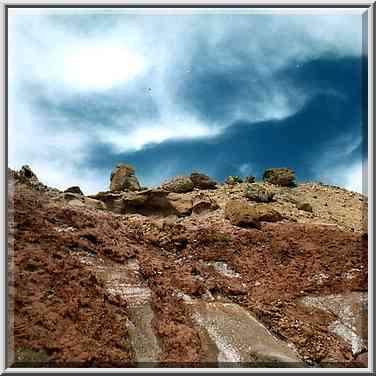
235,289
306,206
202,203
268,214
240,213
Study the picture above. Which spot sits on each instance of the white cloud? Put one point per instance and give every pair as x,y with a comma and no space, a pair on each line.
355,178
134,137
63,174
351,177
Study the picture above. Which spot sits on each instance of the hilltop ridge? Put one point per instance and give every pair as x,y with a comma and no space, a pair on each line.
139,276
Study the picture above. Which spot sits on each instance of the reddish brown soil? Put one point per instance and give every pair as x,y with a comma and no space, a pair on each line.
59,307
277,264
63,309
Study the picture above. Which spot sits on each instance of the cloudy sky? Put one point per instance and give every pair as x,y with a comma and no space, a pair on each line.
225,92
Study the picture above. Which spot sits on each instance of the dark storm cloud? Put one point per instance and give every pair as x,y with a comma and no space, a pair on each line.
298,141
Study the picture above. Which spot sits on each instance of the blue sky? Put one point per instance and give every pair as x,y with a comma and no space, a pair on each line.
225,92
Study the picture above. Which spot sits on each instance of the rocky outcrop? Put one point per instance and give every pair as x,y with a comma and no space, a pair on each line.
241,214
202,203
76,199
178,184
284,177
255,192
27,172
267,214
74,189
181,203
123,179
149,202
27,176
202,181
113,201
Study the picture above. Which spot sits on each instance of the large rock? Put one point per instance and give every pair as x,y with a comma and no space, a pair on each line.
76,199
148,202
255,192
74,189
112,201
280,176
203,181
267,214
178,184
27,172
181,203
351,315
202,203
240,339
240,213
123,179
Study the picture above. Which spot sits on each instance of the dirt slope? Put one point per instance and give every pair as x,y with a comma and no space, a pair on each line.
64,315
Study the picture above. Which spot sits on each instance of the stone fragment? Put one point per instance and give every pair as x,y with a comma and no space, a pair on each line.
74,189
123,179
178,184
202,181
280,176
240,213
258,193
202,203
306,206
267,214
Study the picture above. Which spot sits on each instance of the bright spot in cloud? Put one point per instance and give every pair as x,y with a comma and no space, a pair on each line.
99,65
352,177
137,137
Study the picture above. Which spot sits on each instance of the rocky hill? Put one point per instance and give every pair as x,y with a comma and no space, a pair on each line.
194,273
